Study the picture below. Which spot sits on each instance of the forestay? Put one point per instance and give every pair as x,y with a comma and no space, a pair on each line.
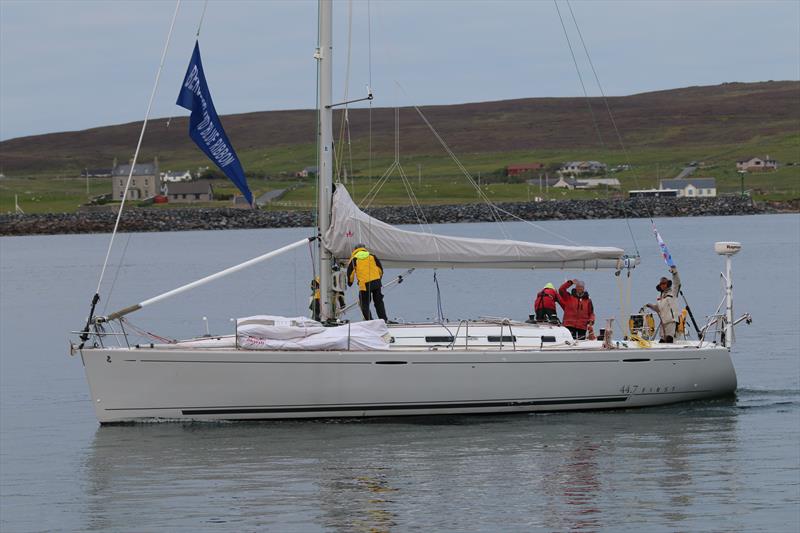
402,248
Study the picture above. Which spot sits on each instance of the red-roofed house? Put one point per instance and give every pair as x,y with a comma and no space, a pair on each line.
519,170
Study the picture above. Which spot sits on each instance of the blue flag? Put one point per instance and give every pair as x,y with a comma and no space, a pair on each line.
205,128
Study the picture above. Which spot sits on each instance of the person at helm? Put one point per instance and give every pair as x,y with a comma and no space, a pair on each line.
545,304
578,308
367,268
667,305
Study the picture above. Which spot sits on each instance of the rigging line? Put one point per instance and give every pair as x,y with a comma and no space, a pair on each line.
492,208
439,309
613,122
420,216
369,62
139,144
537,226
415,205
202,17
145,333
602,93
116,273
373,192
376,188
345,114
580,76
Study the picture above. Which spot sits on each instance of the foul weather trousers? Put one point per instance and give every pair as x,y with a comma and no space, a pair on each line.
374,294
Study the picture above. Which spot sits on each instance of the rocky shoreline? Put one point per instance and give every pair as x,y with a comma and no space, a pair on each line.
144,219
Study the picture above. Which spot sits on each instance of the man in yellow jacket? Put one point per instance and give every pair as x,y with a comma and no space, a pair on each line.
367,268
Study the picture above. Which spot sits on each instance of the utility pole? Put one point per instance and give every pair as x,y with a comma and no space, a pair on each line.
419,174
741,176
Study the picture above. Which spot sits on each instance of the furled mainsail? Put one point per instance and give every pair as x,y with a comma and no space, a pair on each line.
401,248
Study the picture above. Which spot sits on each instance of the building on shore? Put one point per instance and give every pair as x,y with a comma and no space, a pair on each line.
175,176
692,187
190,191
579,168
306,172
524,170
145,181
756,164
591,183
653,193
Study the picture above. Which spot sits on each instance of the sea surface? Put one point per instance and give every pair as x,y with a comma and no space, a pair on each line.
725,465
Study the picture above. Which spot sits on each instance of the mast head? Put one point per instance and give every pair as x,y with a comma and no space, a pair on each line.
727,248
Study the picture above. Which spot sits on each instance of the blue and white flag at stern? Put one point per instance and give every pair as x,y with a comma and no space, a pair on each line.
205,127
664,251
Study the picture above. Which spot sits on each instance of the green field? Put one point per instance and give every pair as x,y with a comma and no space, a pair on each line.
437,180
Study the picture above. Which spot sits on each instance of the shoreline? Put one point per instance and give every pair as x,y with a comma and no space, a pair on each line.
151,220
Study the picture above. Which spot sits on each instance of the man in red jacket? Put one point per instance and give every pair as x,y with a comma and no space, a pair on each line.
545,305
578,308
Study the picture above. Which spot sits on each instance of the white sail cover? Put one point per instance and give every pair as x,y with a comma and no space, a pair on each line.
398,248
268,332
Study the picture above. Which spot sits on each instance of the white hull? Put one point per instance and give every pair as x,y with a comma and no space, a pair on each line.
129,384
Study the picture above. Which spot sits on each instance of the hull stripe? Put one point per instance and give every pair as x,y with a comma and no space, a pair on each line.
335,408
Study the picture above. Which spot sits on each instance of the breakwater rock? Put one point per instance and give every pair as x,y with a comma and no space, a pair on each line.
149,219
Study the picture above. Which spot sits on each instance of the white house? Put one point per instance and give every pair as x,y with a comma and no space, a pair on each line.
576,168
176,176
590,183
565,183
306,172
756,164
692,187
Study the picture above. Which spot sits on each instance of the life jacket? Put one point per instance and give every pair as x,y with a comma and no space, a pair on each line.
578,311
365,268
315,287
681,327
546,299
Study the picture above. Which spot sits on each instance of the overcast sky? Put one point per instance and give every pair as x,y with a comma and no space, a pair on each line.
71,65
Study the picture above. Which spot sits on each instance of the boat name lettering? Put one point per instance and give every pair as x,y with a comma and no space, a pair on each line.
634,389
208,131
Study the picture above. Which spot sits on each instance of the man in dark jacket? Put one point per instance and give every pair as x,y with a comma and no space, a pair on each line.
578,308
368,270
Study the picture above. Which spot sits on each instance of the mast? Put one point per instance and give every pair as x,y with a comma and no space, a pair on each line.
728,250
324,58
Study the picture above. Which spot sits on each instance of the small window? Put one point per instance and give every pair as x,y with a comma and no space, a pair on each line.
145,182
504,338
439,339
196,196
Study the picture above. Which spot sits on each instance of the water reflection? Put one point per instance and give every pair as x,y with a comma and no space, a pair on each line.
577,471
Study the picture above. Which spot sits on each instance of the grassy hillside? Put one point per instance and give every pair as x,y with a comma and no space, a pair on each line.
661,130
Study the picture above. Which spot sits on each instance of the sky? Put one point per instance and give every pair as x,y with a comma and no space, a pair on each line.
72,65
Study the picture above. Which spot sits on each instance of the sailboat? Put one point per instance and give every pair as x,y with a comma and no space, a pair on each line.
292,367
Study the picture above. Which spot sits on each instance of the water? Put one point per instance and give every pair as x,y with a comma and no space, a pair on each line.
721,465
